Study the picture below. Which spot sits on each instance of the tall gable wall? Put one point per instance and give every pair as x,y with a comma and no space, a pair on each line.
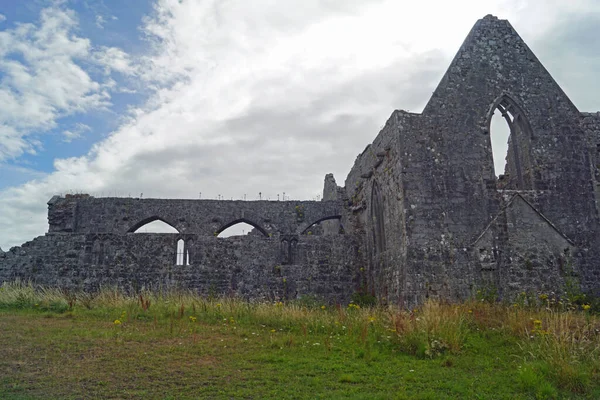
444,167
492,62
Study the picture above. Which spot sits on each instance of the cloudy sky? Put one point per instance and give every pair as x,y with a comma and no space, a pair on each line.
173,98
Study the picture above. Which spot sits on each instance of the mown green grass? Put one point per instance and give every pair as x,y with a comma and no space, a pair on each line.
60,345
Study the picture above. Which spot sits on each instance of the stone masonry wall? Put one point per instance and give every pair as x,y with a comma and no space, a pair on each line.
245,266
422,209
378,166
86,214
442,193
590,124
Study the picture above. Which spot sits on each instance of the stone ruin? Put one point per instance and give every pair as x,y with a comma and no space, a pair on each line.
421,214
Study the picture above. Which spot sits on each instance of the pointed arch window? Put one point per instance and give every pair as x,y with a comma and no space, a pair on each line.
285,246
292,251
240,227
510,137
182,253
316,228
153,225
289,249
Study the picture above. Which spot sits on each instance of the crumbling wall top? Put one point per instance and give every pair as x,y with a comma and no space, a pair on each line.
86,214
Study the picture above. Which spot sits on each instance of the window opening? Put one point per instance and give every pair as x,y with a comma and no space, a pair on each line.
288,250
292,251
156,226
511,146
500,135
180,252
188,245
285,250
239,229
325,226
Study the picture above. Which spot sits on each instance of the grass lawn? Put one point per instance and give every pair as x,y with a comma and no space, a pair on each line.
181,346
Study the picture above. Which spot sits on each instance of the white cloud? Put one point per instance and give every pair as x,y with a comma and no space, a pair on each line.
100,21
2,18
43,78
114,59
75,133
260,96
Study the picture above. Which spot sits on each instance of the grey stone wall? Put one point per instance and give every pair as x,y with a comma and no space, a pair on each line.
245,266
422,209
331,191
86,214
590,124
385,248
439,192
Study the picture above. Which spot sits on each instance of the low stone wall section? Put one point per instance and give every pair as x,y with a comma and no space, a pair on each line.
245,266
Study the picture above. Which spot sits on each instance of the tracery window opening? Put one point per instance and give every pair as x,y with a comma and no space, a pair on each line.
517,172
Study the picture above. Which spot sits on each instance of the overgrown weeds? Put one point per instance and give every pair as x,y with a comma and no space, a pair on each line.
555,350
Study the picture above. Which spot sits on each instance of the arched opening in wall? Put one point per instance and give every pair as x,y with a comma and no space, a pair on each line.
510,138
241,227
289,250
285,251
499,136
187,247
181,253
293,251
153,225
330,225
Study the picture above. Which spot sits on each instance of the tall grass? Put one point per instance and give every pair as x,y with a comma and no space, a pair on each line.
562,345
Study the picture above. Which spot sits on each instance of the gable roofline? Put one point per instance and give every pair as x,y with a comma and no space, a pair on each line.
489,22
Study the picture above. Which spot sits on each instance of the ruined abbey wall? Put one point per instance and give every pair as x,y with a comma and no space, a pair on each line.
590,123
441,196
421,213
251,267
91,242
86,214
